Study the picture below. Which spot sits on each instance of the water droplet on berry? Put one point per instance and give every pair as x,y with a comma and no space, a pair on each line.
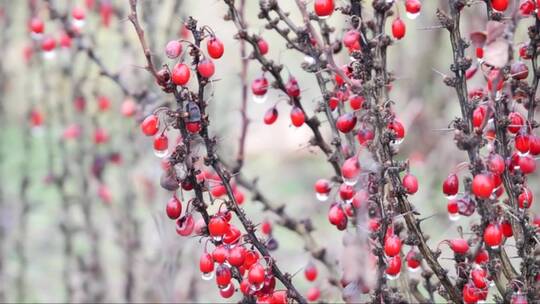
78,23
49,55
309,60
454,216
226,288
413,270
392,277
256,287
413,16
322,196
260,99
350,181
217,238
207,276
161,153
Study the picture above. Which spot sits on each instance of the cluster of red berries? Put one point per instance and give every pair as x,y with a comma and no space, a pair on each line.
48,43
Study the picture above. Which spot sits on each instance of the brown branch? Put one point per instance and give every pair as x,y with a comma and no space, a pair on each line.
240,157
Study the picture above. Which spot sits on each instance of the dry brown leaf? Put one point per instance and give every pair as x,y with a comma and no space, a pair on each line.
496,53
478,39
494,31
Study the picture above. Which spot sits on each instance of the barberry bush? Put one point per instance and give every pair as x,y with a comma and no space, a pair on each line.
270,151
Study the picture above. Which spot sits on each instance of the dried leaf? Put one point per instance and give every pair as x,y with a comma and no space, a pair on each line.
495,30
478,39
496,53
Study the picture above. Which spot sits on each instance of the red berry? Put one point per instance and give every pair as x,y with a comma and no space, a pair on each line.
499,5
410,183
101,136
526,7
310,272
193,126
527,164
333,103
256,274
525,199
232,235
206,68
356,102
351,39
451,185
174,208
478,116
346,192
48,44
470,294
293,90
522,142
346,122
398,28
215,48
516,122
398,128
413,261
271,116
105,11
37,26
218,226
479,54
180,74
185,225
36,118
251,258
279,297
220,254
394,266
482,256
413,6
324,8
322,186
506,229
452,207
173,49
297,116
128,107
523,52
78,13
228,291
263,46
478,276
237,256
313,294
365,135
223,275
266,227
336,215
392,245
161,143
259,86
103,103
206,263
459,246
492,235
482,186
496,164
534,144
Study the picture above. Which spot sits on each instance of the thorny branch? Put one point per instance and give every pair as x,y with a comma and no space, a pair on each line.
211,158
